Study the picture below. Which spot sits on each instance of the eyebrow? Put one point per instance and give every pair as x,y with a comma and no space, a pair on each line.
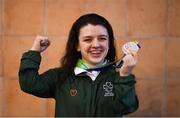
104,36
92,36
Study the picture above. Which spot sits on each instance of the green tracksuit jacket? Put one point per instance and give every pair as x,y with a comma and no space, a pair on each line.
109,95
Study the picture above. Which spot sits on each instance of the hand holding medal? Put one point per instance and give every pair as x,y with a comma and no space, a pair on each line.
129,49
130,46
130,58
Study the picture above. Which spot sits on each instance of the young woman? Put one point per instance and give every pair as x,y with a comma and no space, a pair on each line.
77,90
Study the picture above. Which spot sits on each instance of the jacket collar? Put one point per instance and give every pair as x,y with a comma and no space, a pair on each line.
92,74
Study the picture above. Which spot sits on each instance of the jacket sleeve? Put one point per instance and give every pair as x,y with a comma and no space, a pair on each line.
125,94
41,85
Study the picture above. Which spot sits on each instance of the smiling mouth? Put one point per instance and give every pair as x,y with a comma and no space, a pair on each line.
96,53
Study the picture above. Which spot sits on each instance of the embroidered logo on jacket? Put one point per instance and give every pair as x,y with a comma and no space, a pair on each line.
73,92
108,87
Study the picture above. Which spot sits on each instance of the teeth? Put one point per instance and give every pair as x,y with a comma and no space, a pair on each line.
97,51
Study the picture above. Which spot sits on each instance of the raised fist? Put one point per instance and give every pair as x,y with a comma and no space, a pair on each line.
41,43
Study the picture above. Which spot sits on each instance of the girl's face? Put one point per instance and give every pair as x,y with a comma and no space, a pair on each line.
93,44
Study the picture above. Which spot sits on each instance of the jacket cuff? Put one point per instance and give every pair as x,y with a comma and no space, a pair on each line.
30,60
125,79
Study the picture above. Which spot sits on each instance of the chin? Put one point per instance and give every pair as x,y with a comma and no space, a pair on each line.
97,61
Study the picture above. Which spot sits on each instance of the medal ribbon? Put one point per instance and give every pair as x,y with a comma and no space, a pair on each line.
116,64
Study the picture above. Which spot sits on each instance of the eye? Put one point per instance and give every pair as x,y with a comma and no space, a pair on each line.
102,38
87,40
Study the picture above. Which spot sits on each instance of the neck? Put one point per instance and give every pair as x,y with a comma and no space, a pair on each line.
92,65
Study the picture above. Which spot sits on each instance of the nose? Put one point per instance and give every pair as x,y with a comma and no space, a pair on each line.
95,43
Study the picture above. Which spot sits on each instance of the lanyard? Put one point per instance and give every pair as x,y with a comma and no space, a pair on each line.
134,46
115,64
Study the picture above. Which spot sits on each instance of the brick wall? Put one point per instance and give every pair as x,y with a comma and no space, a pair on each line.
154,23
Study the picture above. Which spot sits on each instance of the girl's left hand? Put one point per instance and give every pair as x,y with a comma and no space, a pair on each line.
130,61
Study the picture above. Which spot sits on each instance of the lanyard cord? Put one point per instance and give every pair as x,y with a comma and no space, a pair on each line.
115,64
135,46
106,66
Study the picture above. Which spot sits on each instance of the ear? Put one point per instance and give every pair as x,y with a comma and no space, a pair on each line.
78,49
